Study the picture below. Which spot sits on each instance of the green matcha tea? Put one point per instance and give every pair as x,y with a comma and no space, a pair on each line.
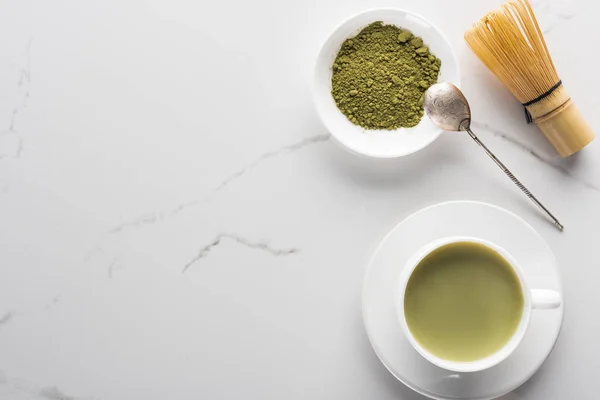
380,75
463,302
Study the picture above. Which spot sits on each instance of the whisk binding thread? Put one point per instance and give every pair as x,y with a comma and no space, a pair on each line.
540,97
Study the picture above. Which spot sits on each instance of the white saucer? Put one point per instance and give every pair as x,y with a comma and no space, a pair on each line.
464,218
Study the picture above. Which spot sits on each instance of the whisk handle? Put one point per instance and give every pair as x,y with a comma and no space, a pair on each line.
514,179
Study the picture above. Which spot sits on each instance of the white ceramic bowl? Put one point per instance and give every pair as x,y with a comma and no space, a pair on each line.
380,143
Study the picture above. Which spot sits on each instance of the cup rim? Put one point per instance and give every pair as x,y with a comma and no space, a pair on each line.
464,366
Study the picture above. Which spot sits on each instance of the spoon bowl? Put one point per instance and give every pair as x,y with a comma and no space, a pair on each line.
447,107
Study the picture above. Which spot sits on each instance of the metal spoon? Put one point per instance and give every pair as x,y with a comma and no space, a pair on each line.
448,108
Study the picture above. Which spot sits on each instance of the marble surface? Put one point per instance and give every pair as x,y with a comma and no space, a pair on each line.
176,222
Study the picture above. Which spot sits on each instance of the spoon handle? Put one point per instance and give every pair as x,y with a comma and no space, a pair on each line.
514,179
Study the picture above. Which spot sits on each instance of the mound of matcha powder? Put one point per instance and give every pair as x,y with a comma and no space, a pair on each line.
380,75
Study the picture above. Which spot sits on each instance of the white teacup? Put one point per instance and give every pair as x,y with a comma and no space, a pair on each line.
533,299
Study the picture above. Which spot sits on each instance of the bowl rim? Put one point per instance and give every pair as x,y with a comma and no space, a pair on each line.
315,95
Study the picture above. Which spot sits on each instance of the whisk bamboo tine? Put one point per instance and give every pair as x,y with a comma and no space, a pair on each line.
511,44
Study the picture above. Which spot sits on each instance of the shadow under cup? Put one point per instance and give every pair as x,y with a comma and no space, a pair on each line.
465,303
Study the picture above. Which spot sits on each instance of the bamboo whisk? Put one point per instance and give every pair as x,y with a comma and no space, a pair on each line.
510,43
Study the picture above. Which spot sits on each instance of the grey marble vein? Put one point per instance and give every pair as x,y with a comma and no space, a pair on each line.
543,159
285,149
34,391
53,393
560,17
6,318
188,204
25,72
548,14
145,219
205,250
23,83
54,301
242,171
111,267
152,218
15,112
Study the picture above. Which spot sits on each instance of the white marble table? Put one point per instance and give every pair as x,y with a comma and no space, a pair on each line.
176,223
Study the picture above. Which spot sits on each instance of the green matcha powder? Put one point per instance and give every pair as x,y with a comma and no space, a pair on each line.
380,75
